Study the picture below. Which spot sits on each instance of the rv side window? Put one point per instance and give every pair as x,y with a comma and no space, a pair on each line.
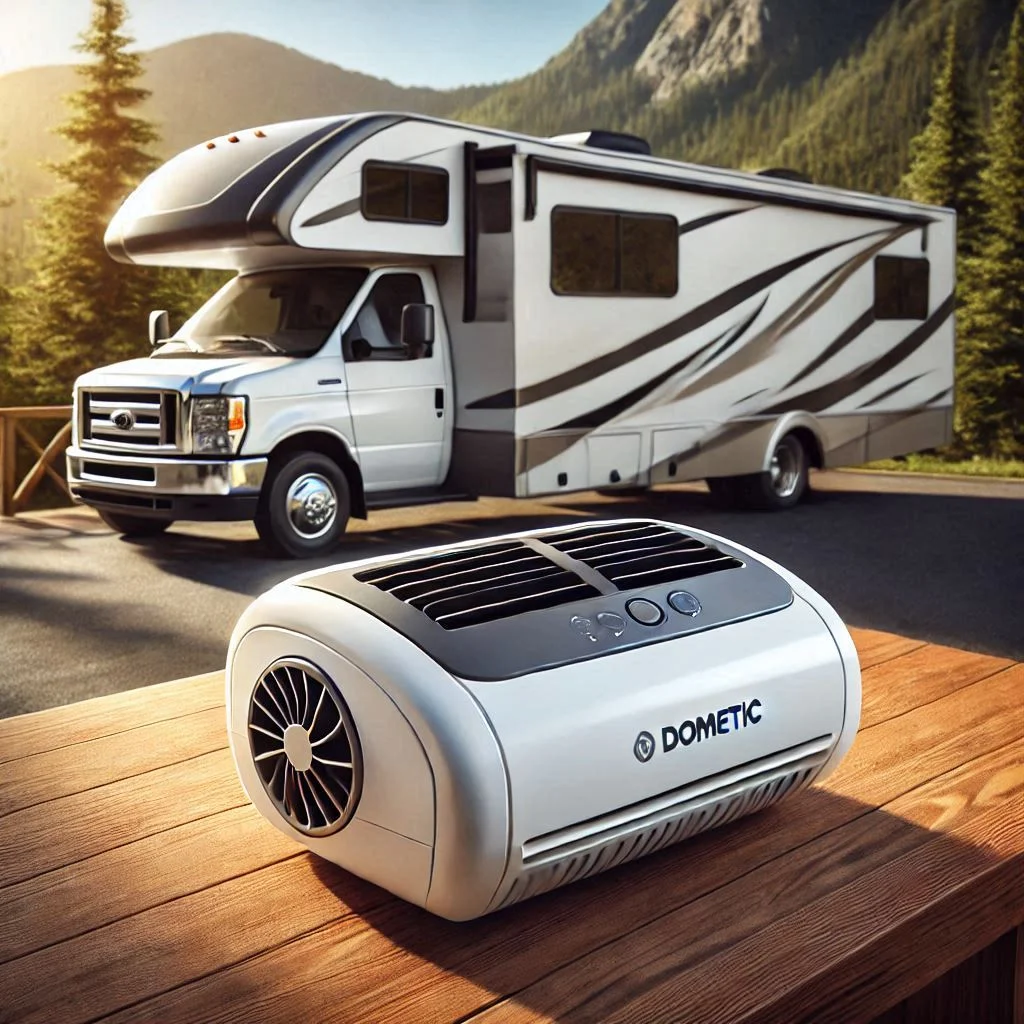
604,252
901,288
400,192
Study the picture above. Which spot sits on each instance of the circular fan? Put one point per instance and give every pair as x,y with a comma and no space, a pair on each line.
305,747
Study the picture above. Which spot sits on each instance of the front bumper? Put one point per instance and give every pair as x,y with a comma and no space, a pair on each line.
225,489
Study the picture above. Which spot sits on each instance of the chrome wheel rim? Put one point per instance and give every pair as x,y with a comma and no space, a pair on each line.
786,467
304,747
312,505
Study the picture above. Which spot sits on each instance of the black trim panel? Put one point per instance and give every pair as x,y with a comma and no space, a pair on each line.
548,638
469,266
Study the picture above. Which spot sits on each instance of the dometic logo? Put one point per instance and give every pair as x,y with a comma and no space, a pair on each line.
643,749
730,719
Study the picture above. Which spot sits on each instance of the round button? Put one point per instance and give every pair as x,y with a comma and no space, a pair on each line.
645,612
684,603
615,624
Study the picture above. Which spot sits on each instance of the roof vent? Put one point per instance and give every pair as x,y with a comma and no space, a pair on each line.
599,139
637,555
786,174
479,584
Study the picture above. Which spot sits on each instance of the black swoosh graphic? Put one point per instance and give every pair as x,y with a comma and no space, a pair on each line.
660,336
712,218
334,213
850,335
889,392
825,397
608,412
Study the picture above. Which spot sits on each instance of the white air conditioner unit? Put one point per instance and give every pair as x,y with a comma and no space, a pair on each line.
470,725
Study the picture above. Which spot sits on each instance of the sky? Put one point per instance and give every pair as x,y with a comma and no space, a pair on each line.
439,43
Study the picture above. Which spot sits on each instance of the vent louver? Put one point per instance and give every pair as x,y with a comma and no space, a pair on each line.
640,555
479,584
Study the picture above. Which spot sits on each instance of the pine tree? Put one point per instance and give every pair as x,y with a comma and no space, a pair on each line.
945,158
991,393
80,309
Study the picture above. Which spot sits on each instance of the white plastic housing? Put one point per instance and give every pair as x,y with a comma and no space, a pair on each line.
478,793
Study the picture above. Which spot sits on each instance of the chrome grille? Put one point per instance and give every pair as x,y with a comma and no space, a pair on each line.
150,420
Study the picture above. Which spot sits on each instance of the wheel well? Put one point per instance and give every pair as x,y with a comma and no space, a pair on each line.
811,445
333,448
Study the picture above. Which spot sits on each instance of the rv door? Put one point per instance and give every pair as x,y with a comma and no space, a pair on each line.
398,392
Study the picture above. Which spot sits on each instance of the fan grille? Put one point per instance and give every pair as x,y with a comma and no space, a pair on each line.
305,747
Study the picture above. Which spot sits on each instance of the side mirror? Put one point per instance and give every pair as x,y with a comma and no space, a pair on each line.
159,327
417,326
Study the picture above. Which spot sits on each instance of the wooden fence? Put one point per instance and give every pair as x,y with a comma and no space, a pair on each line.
15,494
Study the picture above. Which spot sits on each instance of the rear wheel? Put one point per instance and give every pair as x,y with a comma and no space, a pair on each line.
134,526
781,486
304,507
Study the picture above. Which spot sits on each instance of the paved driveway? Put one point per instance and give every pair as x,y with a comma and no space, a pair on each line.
83,612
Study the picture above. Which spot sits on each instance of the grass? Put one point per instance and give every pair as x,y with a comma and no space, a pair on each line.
966,467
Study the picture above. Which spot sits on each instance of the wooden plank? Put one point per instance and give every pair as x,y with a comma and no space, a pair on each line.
8,463
82,897
36,412
1018,979
54,728
64,831
410,966
932,739
93,763
179,941
866,944
875,647
57,444
921,676
980,988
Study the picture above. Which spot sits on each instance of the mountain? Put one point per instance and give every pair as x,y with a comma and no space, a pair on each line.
201,87
832,88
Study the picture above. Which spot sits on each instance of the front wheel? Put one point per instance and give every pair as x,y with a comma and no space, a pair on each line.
304,507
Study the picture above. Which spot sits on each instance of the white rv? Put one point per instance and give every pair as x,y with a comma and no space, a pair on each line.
425,309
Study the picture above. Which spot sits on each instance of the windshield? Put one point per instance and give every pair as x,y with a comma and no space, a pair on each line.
276,312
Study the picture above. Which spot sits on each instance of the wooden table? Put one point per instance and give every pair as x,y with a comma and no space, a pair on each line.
137,884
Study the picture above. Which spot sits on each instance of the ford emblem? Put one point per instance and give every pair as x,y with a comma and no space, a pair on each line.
123,419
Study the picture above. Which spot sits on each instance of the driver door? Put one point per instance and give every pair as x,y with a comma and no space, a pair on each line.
398,403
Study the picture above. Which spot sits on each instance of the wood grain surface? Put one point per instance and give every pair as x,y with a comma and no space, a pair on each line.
126,838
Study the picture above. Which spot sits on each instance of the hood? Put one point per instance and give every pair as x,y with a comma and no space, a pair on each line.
181,374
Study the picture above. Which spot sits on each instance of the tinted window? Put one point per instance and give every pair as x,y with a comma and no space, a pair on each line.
583,252
379,321
901,288
597,252
401,193
650,255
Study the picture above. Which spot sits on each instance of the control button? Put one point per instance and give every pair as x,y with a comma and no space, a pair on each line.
684,603
615,624
646,612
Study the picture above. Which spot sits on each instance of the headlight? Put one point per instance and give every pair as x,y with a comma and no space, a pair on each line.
218,423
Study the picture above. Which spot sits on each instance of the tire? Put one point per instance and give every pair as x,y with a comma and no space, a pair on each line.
134,526
304,507
781,486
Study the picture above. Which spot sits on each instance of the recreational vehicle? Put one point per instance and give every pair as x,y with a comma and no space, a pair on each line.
421,309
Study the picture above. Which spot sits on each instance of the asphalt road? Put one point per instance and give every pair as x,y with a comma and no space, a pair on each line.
84,612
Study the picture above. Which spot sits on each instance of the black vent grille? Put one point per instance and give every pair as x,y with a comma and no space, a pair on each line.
479,584
641,555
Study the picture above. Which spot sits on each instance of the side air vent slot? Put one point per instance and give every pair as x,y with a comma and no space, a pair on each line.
479,584
642,555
